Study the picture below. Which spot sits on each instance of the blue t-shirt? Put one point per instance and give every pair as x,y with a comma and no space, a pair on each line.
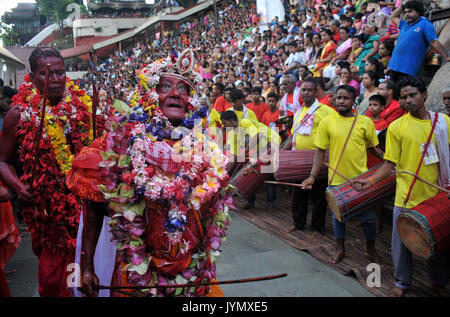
412,46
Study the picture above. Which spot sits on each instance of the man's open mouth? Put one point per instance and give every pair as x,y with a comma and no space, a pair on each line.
173,105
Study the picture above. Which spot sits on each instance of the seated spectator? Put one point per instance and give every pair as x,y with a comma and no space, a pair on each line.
385,51
327,54
346,78
356,49
369,49
373,64
392,111
370,83
345,46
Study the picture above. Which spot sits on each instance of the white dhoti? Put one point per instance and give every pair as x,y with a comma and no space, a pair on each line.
104,258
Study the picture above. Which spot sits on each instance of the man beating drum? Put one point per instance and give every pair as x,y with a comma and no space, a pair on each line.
406,139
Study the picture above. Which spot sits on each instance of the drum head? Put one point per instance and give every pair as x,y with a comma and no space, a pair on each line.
333,205
414,235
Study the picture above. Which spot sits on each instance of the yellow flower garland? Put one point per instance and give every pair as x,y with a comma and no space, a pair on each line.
55,133
61,149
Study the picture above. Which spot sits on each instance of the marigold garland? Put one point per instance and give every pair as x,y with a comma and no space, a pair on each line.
53,219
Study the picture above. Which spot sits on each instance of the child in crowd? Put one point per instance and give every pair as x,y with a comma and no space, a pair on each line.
377,103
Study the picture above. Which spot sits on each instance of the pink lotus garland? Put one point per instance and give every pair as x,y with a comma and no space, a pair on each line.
192,173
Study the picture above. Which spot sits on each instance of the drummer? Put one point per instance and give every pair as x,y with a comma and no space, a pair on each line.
237,98
248,138
306,125
405,139
332,134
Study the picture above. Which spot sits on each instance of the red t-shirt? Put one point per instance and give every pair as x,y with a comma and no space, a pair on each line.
270,117
391,113
337,37
326,101
381,124
258,109
221,104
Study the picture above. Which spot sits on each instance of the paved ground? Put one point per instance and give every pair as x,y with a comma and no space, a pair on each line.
248,252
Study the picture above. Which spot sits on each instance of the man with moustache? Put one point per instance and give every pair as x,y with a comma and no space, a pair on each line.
306,125
416,35
404,142
393,110
332,134
49,209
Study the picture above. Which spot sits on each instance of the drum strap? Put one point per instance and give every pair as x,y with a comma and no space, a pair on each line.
421,160
343,149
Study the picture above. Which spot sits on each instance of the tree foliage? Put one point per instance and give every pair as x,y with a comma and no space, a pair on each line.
58,8
8,35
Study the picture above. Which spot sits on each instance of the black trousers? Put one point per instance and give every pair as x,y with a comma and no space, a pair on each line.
397,76
300,199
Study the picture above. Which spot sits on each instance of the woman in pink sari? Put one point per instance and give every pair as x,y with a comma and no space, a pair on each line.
345,46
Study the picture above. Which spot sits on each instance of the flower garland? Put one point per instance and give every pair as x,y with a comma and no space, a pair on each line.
181,171
53,219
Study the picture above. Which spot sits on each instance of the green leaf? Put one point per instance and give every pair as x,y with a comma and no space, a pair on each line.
121,107
124,160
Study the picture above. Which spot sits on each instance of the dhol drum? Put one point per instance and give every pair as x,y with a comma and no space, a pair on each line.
425,229
249,179
296,165
346,203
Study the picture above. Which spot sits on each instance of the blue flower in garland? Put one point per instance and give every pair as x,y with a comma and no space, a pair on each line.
175,223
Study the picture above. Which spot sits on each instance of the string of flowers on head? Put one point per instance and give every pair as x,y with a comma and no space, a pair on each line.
145,103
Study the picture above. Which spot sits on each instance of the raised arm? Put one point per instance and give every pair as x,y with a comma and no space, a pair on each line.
395,16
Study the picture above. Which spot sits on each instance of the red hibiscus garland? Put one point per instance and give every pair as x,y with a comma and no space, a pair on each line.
53,218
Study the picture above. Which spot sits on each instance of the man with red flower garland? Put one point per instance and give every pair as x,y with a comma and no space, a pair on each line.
169,215
50,210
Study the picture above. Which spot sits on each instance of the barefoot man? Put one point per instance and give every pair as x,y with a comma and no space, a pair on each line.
332,134
405,139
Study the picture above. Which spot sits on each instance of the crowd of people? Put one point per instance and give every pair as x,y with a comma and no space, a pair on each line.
336,77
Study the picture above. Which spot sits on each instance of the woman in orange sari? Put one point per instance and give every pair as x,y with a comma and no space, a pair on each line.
328,52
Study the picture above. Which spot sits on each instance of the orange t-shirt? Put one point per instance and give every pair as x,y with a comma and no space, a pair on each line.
259,109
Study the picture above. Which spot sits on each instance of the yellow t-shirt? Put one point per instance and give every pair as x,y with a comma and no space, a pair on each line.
214,118
240,114
404,140
333,131
236,138
306,142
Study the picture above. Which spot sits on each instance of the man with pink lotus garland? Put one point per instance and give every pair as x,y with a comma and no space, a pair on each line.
162,179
